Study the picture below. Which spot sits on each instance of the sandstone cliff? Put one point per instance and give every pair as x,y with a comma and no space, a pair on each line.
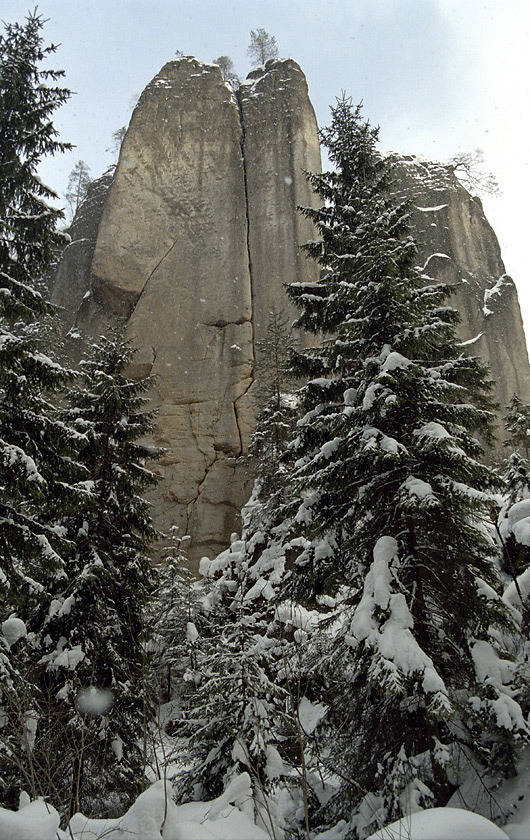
197,235
458,246
189,242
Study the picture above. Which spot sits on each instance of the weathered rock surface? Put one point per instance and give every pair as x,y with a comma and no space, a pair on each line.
197,237
279,144
457,245
189,243
71,281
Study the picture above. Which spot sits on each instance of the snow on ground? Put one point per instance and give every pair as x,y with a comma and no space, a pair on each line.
441,824
154,816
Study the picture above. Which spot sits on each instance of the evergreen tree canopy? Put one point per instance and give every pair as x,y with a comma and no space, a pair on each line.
29,240
277,407
262,46
94,632
37,451
34,447
517,425
394,498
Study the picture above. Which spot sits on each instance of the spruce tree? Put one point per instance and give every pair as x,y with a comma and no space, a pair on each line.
32,443
517,425
395,499
513,521
37,458
93,671
237,708
172,615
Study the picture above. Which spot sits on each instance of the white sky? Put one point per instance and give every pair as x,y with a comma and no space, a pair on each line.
437,76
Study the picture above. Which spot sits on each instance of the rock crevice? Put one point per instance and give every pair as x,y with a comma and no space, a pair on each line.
195,241
189,244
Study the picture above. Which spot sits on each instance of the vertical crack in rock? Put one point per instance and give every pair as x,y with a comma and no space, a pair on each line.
247,214
251,279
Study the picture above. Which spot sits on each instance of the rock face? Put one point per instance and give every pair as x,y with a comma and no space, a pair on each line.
188,245
197,235
457,245
71,281
280,141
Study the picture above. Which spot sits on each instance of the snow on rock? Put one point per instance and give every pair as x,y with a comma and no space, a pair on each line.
36,821
13,629
471,340
432,209
441,824
495,291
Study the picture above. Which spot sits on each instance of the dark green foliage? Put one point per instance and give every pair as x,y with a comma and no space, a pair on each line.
172,613
517,425
29,240
236,709
395,500
93,637
37,453
33,444
278,408
513,513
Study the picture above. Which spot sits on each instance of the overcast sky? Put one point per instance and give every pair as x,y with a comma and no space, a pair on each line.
437,76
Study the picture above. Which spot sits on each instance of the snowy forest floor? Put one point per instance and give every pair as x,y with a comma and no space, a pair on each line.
155,816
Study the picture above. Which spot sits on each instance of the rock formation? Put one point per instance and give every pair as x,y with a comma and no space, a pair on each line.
188,245
458,246
197,235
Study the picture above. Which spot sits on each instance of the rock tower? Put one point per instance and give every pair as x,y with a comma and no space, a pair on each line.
188,245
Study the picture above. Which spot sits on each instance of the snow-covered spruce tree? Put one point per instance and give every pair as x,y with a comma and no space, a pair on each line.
517,425
230,723
395,499
36,462
275,420
171,614
245,713
513,522
95,705
512,519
